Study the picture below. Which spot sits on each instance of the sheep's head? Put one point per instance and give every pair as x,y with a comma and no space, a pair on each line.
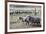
20,18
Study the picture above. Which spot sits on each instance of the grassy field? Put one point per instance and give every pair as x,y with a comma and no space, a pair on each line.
15,23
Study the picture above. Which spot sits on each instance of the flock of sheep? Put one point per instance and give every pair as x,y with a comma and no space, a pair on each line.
31,20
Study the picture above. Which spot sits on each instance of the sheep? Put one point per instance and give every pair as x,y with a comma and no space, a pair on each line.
30,19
